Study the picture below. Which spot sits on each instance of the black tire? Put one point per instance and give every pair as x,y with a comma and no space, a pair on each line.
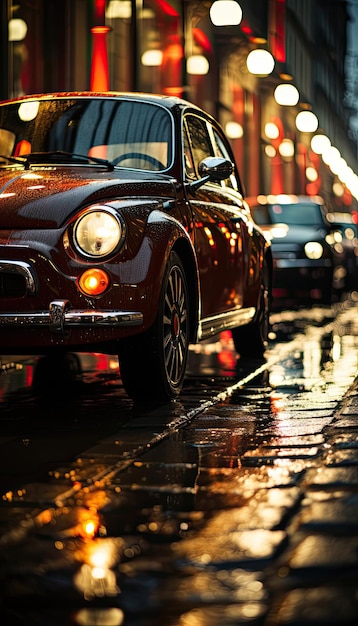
251,340
153,365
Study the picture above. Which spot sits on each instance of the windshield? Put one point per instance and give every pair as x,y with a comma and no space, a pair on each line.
298,214
126,133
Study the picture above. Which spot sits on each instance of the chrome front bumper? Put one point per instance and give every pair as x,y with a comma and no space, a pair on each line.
60,317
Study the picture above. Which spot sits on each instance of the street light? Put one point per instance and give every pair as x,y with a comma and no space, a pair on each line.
260,62
152,58
272,131
17,29
320,143
234,130
197,64
225,13
286,94
306,122
331,156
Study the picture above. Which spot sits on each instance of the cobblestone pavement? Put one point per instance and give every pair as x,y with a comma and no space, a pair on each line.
315,578
246,515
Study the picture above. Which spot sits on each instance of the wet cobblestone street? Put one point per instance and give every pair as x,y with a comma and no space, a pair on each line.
236,505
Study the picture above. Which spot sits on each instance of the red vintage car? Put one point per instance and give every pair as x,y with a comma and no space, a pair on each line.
123,230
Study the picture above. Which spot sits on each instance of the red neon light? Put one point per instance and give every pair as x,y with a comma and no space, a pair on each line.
164,6
202,40
99,65
277,185
277,30
171,67
347,197
280,32
246,28
99,11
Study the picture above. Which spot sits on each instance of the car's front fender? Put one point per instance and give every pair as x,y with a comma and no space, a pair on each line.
164,234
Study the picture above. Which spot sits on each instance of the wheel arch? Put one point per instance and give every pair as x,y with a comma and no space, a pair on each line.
269,263
172,232
185,252
267,266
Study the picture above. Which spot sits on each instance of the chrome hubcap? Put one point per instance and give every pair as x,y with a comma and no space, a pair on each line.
175,326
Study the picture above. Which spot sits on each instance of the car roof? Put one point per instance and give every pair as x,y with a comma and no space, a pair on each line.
170,102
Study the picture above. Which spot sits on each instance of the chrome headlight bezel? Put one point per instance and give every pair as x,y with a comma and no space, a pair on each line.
86,237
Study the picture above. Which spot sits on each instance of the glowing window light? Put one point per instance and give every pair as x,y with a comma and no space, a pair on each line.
306,122
234,130
119,9
197,64
286,148
152,58
17,29
311,174
320,143
338,190
260,62
286,94
225,13
272,130
270,151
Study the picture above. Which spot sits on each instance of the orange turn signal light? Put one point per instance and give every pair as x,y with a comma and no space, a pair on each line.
93,282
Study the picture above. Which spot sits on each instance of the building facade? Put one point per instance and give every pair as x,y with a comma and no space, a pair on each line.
199,51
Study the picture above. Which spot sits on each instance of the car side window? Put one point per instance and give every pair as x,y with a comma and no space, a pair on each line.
198,142
188,157
222,151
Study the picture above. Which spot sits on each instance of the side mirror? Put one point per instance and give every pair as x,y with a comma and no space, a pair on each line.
214,169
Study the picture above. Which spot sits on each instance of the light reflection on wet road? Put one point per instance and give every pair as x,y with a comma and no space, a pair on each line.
173,515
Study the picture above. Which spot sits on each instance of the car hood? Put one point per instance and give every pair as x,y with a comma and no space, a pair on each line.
46,197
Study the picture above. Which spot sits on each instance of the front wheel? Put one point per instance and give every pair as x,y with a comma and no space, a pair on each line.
153,365
251,340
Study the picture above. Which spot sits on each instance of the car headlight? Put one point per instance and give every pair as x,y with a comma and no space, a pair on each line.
98,232
279,231
313,250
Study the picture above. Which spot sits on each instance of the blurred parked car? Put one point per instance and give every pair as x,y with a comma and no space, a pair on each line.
344,224
123,230
307,253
